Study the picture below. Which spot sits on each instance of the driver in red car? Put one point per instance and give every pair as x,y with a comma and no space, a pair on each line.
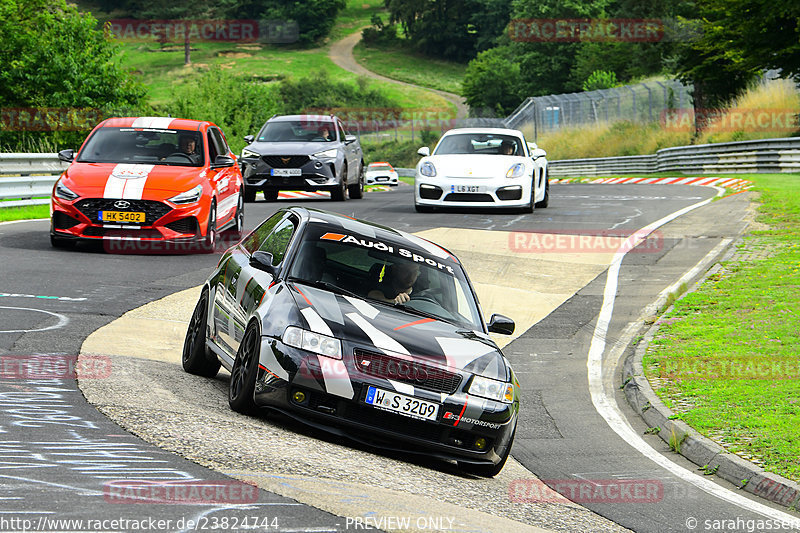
187,144
396,283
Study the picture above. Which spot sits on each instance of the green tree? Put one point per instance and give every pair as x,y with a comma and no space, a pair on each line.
490,83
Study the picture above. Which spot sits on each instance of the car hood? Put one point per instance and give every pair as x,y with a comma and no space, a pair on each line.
292,148
474,166
94,179
371,326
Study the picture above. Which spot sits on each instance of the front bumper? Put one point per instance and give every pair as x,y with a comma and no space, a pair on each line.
78,220
448,437
477,192
316,174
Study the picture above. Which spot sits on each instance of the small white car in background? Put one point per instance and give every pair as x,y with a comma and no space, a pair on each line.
481,167
381,172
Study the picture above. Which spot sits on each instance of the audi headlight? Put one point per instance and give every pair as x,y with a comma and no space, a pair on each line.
188,197
312,342
327,153
63,192
249,153
516,171
492,389
427,169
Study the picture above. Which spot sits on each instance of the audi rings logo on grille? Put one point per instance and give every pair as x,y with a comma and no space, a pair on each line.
401,370
122,204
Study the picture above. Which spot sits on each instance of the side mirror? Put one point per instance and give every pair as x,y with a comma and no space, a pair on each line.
501,324
67,155
424,151
537,153
223,161
348,139
263,261
249,139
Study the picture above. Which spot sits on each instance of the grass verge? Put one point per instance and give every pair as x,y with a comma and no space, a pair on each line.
726,356
398,63
22,213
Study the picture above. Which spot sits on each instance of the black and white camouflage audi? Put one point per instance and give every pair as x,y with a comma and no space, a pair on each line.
291,311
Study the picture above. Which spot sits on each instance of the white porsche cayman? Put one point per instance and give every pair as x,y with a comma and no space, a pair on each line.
480,167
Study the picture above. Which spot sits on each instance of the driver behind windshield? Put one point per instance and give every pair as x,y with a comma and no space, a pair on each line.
187,144
396,282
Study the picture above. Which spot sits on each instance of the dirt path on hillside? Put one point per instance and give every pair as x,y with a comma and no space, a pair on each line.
341,54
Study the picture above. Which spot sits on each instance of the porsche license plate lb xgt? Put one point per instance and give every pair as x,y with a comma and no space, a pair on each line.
466,188
121,216
286,172
402,404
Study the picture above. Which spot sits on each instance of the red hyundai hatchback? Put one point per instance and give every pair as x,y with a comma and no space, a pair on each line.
148,181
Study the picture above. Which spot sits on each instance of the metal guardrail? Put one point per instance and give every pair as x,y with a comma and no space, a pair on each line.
767,155
24,177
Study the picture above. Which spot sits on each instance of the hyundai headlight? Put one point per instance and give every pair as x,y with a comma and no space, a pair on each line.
492,389
188,197
327,153
249,153
427,169
312,342
516,171
63,192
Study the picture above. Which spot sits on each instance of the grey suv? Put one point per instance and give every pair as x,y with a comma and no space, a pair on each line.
303,153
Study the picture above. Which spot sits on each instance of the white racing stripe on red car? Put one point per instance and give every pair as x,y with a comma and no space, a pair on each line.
127,181
160,123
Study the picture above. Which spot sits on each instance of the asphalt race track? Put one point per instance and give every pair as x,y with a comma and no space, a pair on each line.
61,458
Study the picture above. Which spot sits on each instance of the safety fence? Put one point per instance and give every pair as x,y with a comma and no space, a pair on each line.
28,179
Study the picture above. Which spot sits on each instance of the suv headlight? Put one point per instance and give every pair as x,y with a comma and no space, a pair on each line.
312,342
249,153
492,389
516,171
63,192
188,197
427,169
327,153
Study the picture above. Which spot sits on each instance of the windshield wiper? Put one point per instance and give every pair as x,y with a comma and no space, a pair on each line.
415,311
324,285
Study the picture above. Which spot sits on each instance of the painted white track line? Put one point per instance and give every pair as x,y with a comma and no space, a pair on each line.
603,393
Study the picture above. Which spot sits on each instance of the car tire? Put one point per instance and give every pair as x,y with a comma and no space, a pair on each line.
339,194
238,224
529,208
243,373
270,195
249,194
488,470
210,240
546,200
196,357
356,191
58,242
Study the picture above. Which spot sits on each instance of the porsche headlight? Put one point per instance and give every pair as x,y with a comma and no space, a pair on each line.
188,197
312,342
63,192
516,171
427,169
492,389
249,153
327,153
